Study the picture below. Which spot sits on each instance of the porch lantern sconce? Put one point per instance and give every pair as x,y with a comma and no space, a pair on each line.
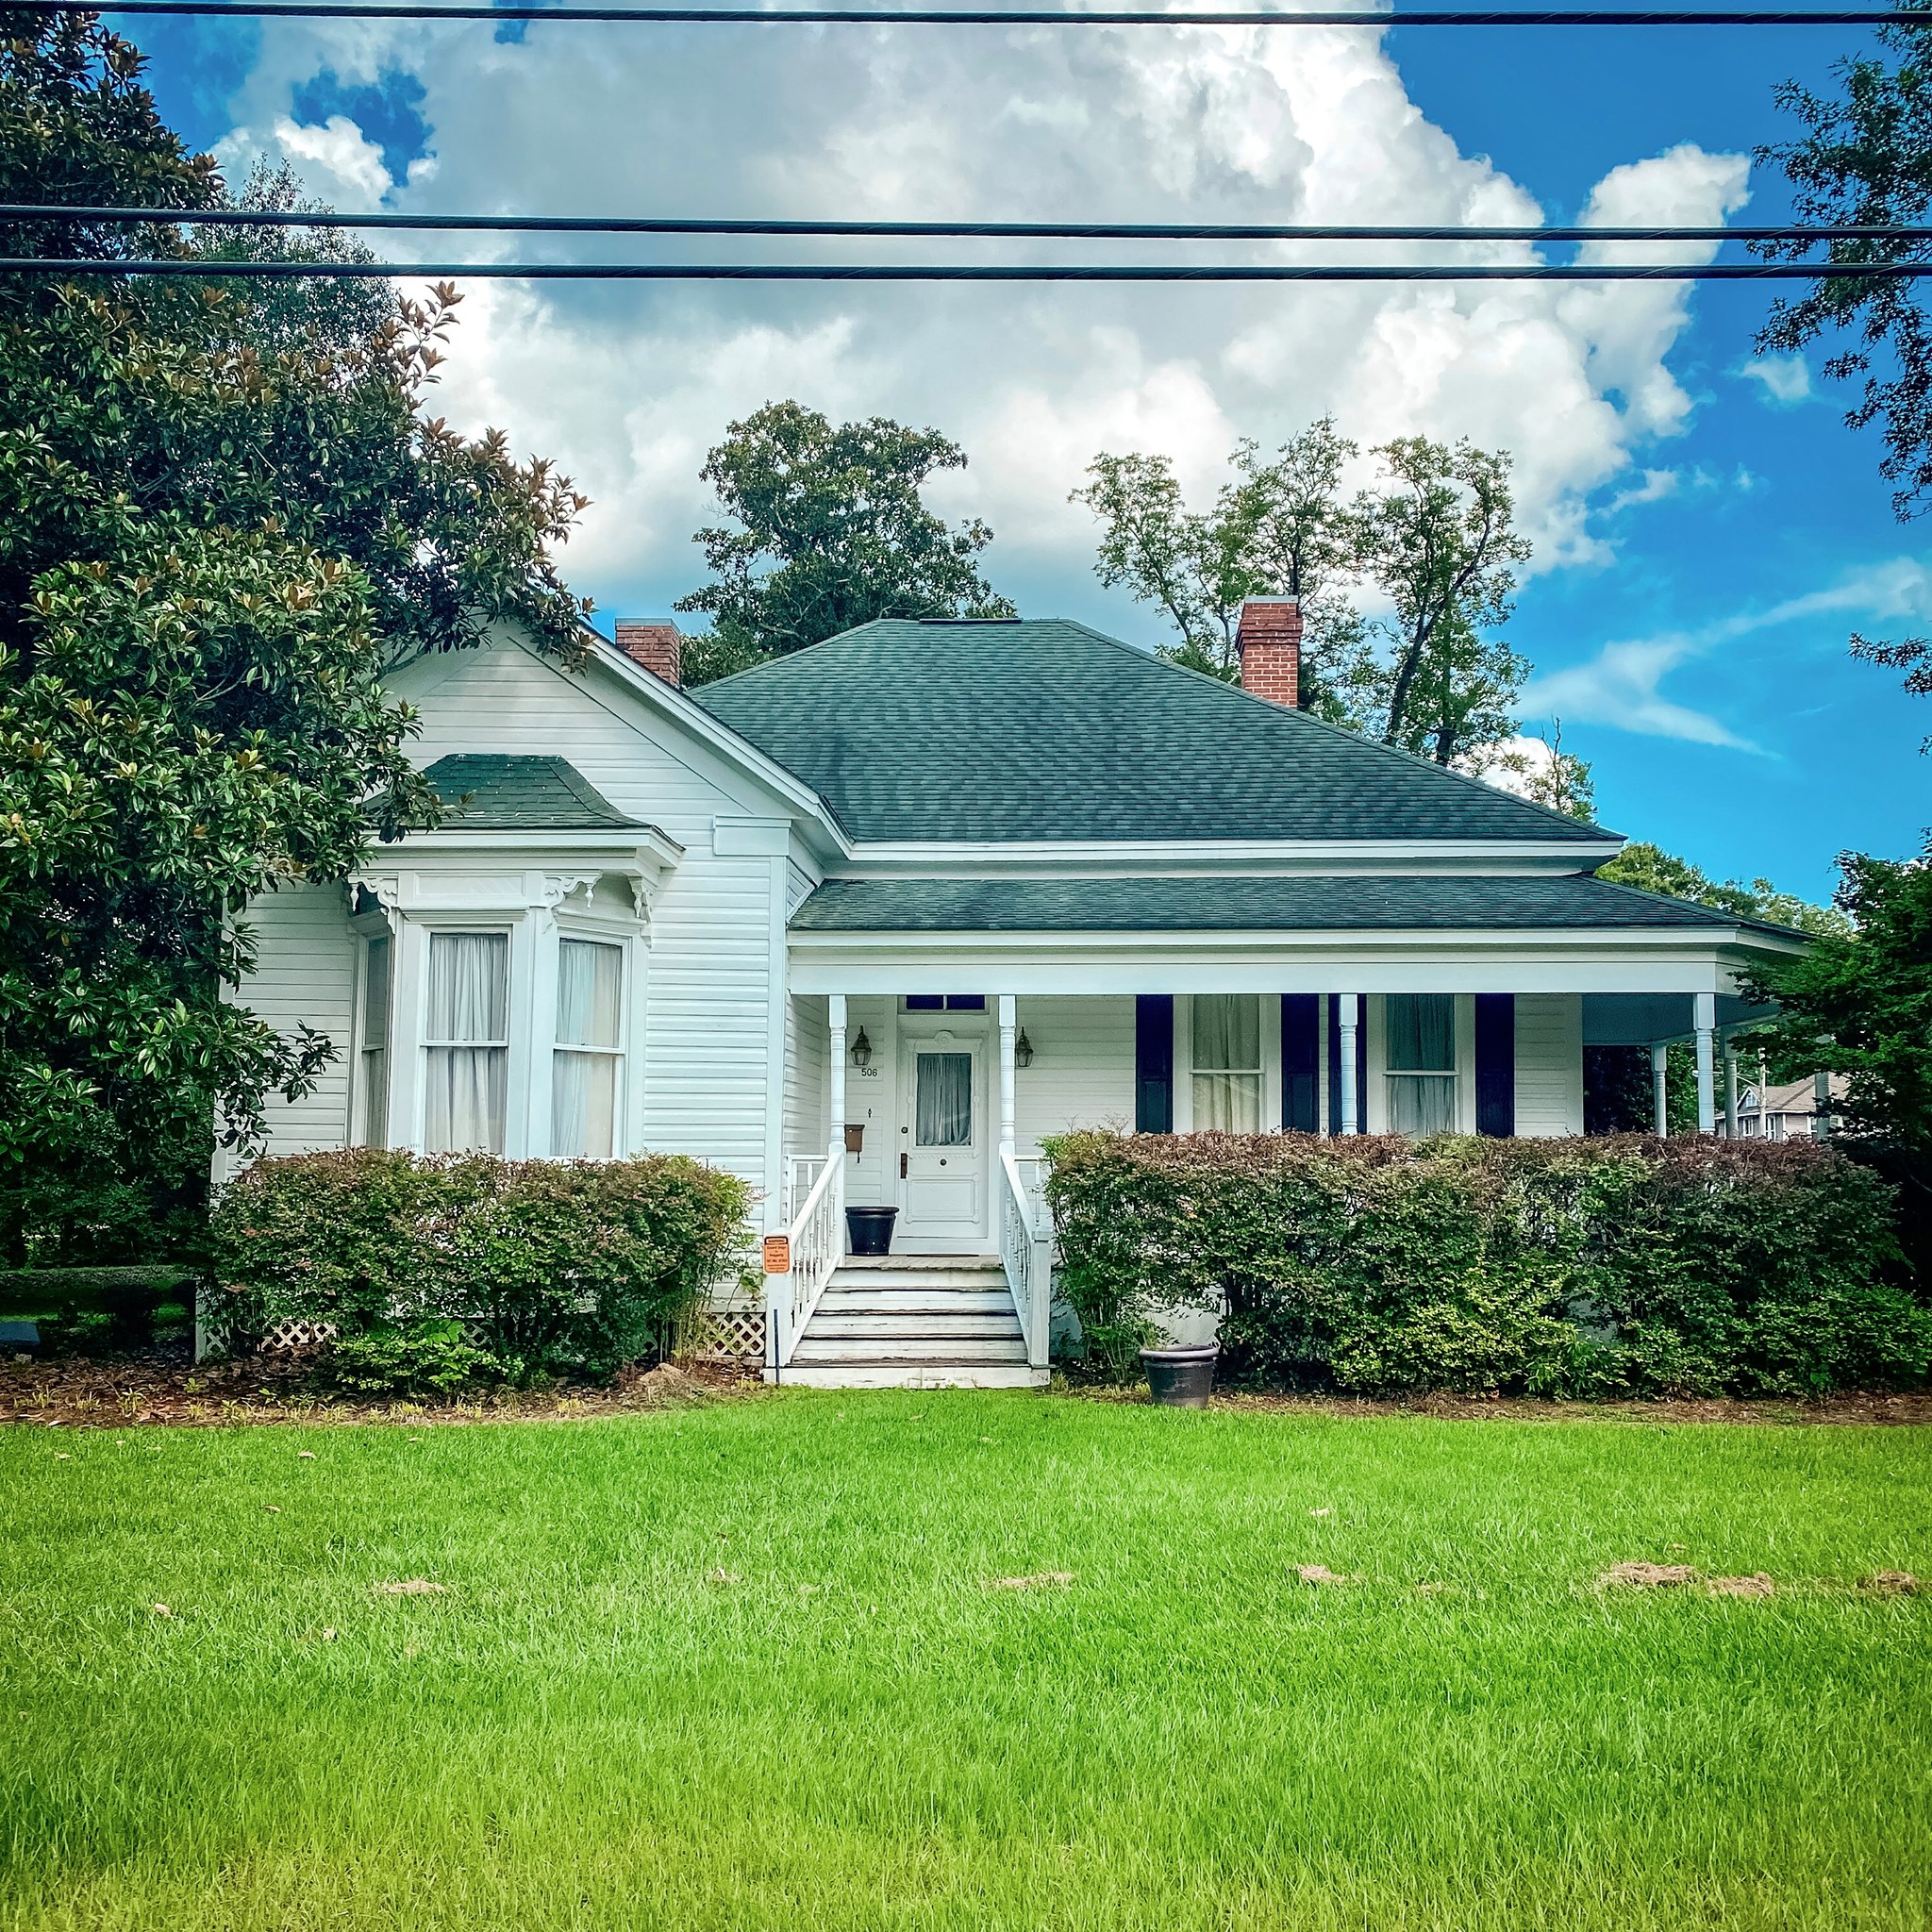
861,1051
1022,1050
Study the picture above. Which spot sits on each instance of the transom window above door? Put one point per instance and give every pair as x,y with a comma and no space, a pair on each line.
945,1002
1227,1061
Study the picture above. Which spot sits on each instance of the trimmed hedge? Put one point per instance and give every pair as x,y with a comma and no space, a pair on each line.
1580,1267
561,1267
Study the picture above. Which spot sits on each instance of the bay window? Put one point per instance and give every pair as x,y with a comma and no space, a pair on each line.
586,1076
466,1043
1420,1061
1227,1028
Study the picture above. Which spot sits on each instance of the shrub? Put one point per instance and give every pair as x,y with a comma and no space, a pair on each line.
562,1266
1556,1267
423,1359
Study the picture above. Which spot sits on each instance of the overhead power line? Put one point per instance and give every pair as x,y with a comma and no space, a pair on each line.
46,266
824,16
1063,231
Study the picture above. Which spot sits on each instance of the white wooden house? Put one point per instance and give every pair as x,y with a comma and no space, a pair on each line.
865,925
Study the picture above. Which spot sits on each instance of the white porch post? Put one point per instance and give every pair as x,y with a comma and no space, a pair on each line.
1009,1010
835,1144
1821,1107
1348,1011
1705,1021
1659,1068
1730,1088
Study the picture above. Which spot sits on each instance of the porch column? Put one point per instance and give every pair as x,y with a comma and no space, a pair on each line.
1730,1088
836,1143
1659,1067
1705,1021
1008,1028
1348,1014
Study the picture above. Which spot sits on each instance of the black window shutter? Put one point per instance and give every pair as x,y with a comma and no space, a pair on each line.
1332,1004
1495,1063
1301,1052
1153,1063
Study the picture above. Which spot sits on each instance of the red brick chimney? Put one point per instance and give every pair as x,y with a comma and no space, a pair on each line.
654,643
1270,644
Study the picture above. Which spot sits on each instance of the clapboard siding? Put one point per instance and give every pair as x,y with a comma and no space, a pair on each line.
807,1044
1082,1074
306,975
1549,1064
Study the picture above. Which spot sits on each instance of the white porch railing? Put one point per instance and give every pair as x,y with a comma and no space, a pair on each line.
801,1172
1027,1252
817,1240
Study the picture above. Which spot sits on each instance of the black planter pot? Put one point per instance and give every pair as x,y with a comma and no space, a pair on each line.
869,1230
1180,1378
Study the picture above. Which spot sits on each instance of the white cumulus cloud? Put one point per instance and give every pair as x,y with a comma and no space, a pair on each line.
627,385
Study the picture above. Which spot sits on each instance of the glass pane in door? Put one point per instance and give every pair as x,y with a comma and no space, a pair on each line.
943,1100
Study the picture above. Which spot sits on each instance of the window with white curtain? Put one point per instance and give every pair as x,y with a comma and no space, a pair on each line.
585,1071
1227,1061
377,968
1420,1030
466,1041
943,1100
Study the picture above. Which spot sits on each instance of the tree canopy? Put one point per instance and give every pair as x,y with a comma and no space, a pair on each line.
1434,541
1865,159
1651,869
1860,998
828,529
223,515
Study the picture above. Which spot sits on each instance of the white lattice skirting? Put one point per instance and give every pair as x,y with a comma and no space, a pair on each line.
724,1335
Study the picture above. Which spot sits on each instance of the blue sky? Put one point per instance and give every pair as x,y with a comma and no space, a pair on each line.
1708,537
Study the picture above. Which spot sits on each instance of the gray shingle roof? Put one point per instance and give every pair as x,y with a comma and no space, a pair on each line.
1045,729
1239,904
488,793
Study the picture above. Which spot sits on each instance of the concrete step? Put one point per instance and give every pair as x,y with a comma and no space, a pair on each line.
829,1324
913,1301
912,1375
879,1348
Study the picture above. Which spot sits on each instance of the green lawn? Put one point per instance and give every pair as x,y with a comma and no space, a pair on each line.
744,1667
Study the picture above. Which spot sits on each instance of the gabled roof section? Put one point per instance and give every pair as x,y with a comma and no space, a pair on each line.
1573,902
491,794
1043,729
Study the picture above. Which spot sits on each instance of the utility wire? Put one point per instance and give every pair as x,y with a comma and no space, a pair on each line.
1090,231
43,266
822,16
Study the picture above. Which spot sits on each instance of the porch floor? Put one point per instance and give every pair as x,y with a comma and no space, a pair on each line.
914,1322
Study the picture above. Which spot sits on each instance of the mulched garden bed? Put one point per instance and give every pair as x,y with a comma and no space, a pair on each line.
1864,1411
158,1387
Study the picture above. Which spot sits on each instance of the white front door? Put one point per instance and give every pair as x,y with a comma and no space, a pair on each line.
941,1143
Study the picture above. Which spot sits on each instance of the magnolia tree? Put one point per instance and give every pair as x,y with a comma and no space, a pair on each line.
224,515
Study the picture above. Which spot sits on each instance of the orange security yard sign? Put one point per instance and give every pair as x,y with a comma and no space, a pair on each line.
778,1253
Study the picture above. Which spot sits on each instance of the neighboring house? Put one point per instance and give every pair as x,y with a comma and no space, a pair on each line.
929,892
1790,1111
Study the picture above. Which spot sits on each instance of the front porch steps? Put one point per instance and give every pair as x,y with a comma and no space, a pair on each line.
914,1322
